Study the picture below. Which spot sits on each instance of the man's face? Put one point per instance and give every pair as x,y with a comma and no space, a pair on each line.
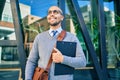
54,16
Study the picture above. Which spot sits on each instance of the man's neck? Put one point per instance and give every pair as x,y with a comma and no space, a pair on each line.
55,27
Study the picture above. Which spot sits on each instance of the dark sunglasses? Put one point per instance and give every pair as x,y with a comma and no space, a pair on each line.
54,12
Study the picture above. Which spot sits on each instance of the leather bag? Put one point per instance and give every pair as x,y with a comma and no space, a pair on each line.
42,74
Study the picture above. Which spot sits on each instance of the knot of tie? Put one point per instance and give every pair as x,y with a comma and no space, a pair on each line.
54,32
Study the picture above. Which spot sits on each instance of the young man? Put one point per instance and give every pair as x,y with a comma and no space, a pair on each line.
44,43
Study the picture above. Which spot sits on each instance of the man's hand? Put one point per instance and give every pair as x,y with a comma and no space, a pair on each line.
57,57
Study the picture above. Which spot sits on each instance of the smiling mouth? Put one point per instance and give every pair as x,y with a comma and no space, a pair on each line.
53,18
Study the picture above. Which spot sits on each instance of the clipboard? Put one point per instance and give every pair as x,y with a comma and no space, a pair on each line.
68,49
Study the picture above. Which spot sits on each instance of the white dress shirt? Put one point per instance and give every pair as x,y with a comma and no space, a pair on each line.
58,31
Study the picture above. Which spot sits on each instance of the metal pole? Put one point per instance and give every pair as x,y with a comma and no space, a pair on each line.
102,41
61,4
19,34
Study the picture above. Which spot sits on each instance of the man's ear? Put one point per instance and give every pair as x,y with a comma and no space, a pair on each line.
62,18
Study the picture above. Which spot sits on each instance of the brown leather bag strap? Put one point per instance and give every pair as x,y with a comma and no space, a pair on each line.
60,37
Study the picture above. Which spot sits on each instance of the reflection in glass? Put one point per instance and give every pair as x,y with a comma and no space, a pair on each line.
112,36
6,24
8,57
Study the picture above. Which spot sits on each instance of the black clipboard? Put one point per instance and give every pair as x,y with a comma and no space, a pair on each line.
68,49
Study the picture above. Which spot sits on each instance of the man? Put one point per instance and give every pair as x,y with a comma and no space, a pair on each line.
43,45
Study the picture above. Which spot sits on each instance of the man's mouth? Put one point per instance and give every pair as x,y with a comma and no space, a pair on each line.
53,18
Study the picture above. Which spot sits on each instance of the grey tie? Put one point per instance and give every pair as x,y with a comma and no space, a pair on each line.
54,32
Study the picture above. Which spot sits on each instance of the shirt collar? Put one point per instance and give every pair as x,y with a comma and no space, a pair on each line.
59,30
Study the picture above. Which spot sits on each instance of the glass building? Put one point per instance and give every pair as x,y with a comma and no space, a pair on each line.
96,23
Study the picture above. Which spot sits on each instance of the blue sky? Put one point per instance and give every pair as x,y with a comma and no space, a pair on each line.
40,7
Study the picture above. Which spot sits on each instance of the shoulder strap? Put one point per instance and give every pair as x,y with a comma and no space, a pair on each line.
60,37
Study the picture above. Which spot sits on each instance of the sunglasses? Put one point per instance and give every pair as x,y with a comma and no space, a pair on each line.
54,12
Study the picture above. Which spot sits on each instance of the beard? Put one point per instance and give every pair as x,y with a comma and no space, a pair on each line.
54,24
